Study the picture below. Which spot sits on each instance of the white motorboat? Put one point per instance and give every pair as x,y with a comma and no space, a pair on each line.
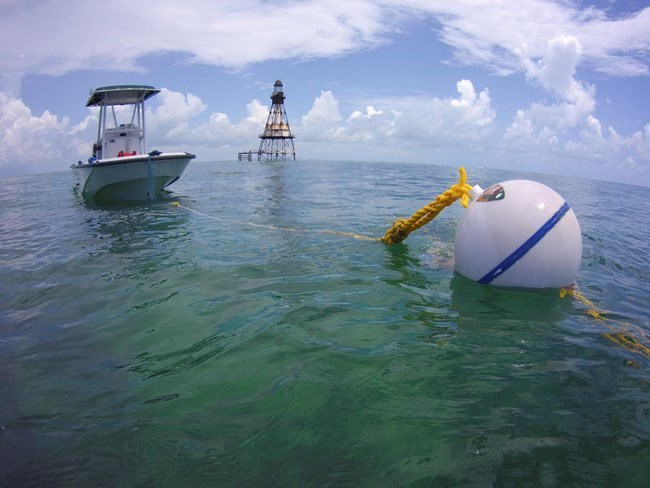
120,169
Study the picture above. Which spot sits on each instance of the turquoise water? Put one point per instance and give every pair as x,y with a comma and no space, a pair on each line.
203,345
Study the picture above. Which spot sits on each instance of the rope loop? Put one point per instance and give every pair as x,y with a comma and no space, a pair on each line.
403,227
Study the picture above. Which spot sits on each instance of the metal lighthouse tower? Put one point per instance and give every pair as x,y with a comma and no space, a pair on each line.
276,141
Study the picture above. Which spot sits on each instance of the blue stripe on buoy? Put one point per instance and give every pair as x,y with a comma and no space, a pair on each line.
521,251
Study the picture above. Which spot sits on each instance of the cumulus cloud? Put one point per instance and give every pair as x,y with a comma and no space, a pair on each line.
169,121
31,143
221,132
568,128
611,148
541,123
27,139
423,120
323,119
407,128
174,125
447,120
175,106
549,42
556,70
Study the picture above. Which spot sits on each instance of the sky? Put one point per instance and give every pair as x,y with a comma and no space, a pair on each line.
550,86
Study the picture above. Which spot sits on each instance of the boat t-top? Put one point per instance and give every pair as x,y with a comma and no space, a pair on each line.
120,168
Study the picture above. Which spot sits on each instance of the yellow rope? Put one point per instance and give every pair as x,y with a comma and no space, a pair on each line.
624,334
274,227
403,227
400,229
625,337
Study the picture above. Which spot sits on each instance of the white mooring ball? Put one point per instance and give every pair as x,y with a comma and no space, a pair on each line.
519,233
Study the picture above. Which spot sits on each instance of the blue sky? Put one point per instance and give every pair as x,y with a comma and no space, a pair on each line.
556,87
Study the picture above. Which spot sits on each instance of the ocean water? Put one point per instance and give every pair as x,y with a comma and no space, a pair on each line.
234,341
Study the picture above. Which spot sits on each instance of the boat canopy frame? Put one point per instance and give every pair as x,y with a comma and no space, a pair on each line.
119,95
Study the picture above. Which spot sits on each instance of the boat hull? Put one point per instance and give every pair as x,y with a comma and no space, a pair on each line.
130,178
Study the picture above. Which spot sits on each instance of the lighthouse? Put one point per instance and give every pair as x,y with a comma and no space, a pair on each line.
277,141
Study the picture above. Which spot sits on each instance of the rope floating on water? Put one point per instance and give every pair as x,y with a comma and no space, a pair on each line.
626,335
275,227
400,229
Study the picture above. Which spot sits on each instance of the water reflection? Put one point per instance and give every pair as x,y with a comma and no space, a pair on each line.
399,259
136,228
475,301
445,302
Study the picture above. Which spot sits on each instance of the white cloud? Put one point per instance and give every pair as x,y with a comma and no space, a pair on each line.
492,34
168,123
565,132
323,119
389,125
408,129
556,70
446,120
28,140
31,144
52,37
550,42
257,113
541,123
369,114
557,117
611,148
175,106
173,126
